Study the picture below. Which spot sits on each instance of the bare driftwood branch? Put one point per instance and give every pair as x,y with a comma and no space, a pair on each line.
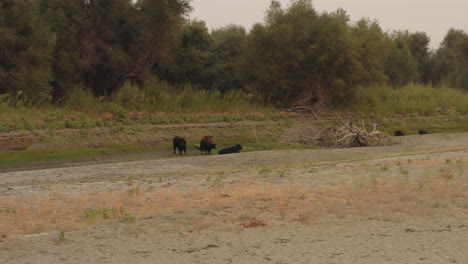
350,135
347,135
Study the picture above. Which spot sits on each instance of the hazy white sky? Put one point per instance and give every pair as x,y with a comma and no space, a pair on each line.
435,17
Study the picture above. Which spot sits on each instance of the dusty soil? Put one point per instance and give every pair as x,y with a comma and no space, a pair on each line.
406,203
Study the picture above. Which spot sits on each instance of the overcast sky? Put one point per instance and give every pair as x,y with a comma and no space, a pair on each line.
435,17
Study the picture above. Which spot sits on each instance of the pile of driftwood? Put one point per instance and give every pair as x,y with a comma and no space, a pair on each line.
348,135
351,135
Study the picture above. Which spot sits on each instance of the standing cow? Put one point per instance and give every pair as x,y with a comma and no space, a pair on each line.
206,146
180,144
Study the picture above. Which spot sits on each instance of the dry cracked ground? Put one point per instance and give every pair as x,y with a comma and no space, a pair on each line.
406,203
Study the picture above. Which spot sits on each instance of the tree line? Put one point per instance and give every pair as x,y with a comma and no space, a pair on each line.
297,55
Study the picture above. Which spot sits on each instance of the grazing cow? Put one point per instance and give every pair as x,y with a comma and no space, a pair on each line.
206,146
208,138
234,149
399,133
422,132
180,144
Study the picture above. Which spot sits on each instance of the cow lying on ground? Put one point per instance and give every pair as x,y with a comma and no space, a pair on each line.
399,133
206,146
234,149
422,132
180,144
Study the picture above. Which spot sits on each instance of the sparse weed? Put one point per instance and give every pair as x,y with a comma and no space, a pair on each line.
282,173
384,168
95,214
265,172
448,172
8,211
373,182
217,183
403,171
135,191
61,236
126,217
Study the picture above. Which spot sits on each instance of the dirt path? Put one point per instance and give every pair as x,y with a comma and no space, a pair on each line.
401,204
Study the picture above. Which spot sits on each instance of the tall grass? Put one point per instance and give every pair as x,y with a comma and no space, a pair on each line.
158,102
160,97
412,98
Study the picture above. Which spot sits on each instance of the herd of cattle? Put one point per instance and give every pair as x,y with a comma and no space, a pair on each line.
206,145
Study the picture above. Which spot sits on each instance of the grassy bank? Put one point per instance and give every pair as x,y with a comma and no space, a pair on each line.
17,158
148,142
156,103
411,99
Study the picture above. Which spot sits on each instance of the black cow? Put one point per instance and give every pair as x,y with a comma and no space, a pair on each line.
422,132
180,144
399,133
206,146
234,149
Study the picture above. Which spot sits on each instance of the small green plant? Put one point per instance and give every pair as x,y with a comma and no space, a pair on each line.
421,186
126,217
410,161
384,168
282,173
373,182
135,191
131,181
446,173
217,184
265,172
61,236
7,211
403,171
92,214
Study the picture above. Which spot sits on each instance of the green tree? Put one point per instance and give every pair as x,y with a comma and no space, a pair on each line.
450,62
301,57
27,46
228,46
371,48
65,19
194,60
401,66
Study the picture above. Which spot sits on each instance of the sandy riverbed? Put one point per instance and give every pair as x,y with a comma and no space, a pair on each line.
400,204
